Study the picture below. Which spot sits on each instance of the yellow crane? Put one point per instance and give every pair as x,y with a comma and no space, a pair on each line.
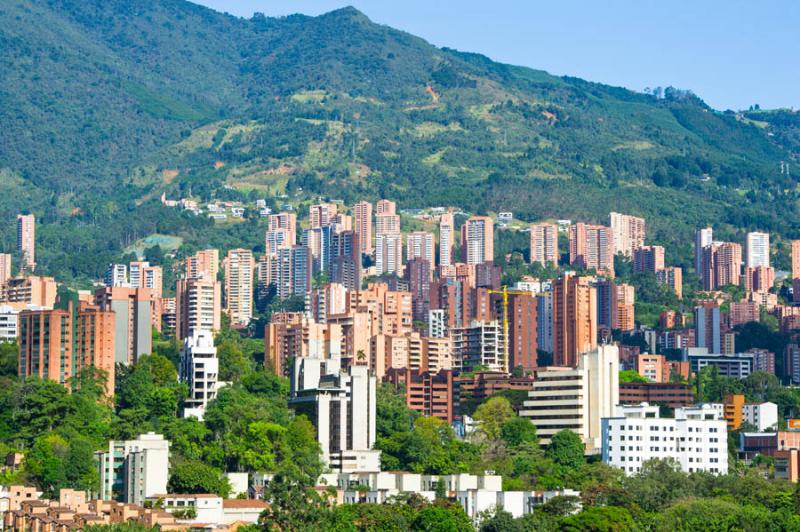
505,292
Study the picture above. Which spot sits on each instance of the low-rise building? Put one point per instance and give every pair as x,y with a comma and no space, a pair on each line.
696,438
763,416
670,394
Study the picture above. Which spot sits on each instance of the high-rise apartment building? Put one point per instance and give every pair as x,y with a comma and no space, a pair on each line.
418,276
757,250
447,231
544,244
673,278
702,238
477,240
239,266
204,263
286,221
322,214
522,331
345,256
429,393
387,221
795,259
132,471
198,305
482,343
342,405
615,305
363,218
277,239
420,244
759,279
26,240
21,292
576,398
574,319
544,321
707,326
59,344
133,326
649,259
199,370
592,247
389,253
721,265
142,275
5,268
116,275
629,233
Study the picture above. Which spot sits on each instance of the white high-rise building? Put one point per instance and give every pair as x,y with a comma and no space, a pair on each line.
697,438
576,399
702,238
342,406
757,250
447,230
437,323
420,244
629,233
116,275
200,371
389,253
9,323
131,471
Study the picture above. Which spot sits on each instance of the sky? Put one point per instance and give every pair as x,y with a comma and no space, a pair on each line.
731,53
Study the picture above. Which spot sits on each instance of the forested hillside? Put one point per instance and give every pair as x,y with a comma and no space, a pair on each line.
108,103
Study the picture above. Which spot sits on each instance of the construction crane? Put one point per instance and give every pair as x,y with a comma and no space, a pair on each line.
505,292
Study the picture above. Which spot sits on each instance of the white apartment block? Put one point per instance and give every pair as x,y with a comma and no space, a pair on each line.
697,438
628,231
342,406
131,471
389,253
763,416
757,249
9,323
576,398
480,344
200,371
420,244
437,323
116,275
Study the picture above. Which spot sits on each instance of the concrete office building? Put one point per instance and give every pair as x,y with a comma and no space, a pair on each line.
697,438
199,369
131,471
342,406
133,307
576,398
735,365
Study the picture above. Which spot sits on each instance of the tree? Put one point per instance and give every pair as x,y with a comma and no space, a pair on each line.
196,477
499,521
491,415
519,431
392,414
442,518
630,375
566,449
9,352
599,519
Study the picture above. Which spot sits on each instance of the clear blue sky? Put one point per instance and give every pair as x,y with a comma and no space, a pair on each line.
732,53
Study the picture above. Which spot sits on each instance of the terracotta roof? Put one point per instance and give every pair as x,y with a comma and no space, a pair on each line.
243,503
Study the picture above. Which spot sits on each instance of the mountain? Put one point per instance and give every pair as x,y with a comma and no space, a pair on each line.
108,103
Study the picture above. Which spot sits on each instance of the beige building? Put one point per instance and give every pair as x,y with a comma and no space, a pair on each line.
5,268
576,398
592,247
239,266
629,233
574,319
26,240
447,231
477,240
21,292
544,244
363,226
198,305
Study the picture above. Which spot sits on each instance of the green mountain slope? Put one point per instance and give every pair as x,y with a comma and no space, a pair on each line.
99,97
